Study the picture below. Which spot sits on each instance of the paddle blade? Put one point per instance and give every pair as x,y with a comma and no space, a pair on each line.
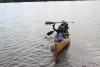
49,33
48,22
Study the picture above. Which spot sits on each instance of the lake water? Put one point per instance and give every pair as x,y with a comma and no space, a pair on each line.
23,41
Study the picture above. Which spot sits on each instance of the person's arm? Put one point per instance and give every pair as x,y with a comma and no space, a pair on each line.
66,26
54,27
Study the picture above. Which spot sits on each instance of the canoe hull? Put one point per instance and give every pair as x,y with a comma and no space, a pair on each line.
61,45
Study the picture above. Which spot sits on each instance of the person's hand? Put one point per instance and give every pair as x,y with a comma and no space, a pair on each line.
53,24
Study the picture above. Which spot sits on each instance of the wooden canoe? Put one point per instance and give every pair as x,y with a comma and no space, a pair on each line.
59,46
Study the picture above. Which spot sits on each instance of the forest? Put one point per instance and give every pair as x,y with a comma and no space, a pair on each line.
3,1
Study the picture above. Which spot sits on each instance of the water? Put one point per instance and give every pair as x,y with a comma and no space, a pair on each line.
23,41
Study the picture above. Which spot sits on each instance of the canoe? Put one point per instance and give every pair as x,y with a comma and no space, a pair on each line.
59,46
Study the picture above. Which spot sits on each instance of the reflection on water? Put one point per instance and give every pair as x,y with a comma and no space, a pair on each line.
22,34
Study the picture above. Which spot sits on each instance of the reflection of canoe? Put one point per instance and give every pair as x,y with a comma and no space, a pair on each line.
59,46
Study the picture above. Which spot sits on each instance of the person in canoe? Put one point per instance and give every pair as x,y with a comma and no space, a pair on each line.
60,33
65,28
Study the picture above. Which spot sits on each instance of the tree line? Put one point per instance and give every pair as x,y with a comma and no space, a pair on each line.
21,0
28,0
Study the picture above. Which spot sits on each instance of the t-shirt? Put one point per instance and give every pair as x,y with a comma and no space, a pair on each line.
60,36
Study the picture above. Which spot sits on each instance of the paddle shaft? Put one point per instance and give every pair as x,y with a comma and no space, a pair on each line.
49,22
62,22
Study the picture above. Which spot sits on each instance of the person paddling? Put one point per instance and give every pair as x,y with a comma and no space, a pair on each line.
65,27
60,32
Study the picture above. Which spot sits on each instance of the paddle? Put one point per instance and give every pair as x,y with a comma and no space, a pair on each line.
49,22
49,33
